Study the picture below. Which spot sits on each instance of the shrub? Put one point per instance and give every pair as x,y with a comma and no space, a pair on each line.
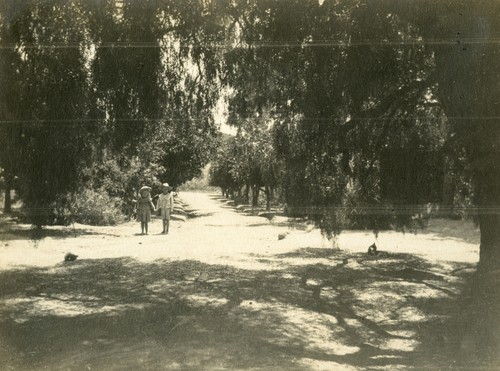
95,207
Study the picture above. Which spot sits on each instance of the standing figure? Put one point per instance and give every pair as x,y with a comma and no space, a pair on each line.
144,206
166,204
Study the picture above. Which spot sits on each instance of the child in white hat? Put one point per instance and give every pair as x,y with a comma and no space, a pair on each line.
166,205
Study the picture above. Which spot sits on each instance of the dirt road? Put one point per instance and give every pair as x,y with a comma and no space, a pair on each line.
222,291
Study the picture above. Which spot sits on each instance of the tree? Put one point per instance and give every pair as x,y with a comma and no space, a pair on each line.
462,35
49,134
332,131
221,174
9,110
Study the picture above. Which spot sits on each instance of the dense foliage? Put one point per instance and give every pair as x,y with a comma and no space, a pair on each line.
104,95
343,142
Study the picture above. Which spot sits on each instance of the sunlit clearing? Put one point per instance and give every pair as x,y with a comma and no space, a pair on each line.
287,325
205,300
63,306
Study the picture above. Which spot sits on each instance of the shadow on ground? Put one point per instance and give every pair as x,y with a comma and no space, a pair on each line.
10,231
343,312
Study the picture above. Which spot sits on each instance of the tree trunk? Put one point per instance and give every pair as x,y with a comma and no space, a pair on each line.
7,208
449,190
268,198
9,182
480,337
247,192
255,195
489,251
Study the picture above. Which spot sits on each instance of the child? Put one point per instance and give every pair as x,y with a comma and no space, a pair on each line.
166,204
144,206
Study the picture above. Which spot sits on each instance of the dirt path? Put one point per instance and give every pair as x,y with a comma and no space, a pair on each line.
223,235
221,291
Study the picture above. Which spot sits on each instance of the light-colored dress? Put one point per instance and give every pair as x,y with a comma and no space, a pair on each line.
144,206
166,204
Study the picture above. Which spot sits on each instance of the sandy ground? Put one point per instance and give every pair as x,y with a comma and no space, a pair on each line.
222,291
223,236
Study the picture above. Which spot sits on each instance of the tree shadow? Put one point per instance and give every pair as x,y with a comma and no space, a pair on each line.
10,232
121,313
452,308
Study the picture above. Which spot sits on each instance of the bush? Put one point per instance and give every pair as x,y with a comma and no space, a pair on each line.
95,207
